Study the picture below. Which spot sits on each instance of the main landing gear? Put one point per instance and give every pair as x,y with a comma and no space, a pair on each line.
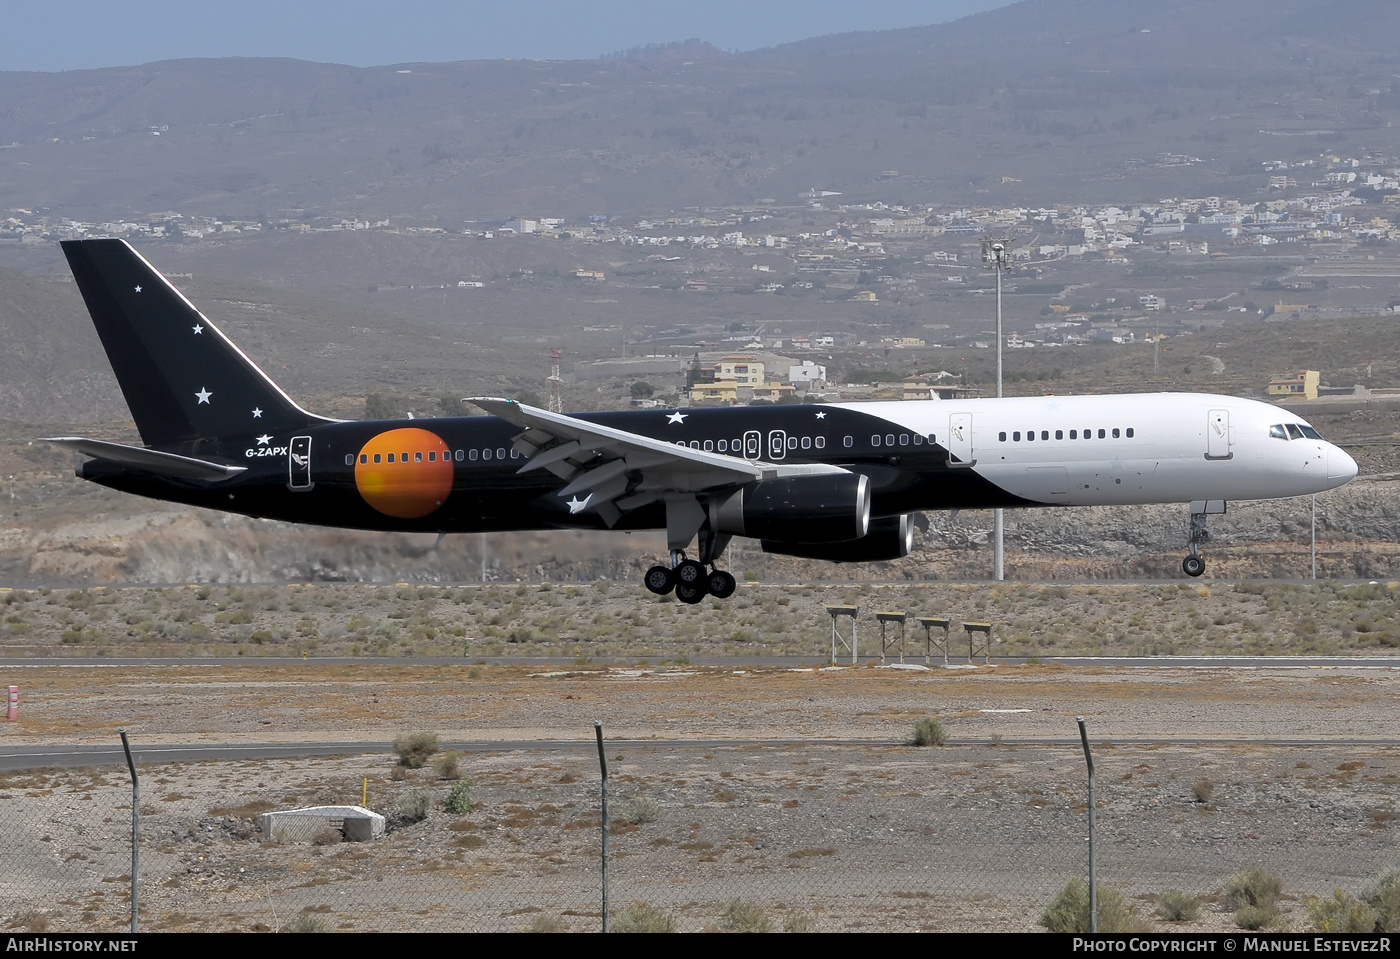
688,518
1195,565
691,581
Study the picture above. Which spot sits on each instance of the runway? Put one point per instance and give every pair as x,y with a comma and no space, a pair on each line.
794,662
238,709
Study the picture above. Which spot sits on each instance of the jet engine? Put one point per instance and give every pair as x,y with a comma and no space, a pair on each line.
890,537
800,509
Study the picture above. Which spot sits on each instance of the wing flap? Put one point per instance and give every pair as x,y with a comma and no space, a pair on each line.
625,470
596,438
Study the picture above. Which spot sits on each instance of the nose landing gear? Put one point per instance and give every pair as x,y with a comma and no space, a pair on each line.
1194,564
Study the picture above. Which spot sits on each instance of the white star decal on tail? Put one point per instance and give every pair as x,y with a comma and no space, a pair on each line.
138,289
676,418
577,505
821,416
264,440
203,396
257,414
198,329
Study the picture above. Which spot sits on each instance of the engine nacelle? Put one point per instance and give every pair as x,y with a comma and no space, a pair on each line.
831,508
890,537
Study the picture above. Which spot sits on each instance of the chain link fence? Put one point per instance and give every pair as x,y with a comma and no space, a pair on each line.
809,836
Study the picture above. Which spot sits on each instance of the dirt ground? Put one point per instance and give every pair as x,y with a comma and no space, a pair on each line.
766,796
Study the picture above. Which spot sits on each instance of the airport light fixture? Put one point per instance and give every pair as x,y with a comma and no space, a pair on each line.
996,255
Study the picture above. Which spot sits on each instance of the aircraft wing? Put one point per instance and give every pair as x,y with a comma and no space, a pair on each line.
602,462
154,461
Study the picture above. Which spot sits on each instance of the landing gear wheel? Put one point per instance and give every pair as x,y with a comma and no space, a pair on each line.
1193,565
690,593
660,580
691,573
721,584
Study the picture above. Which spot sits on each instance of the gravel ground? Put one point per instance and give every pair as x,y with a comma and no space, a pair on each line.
1200,773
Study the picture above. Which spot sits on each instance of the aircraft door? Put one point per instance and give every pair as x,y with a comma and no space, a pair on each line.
299,464
753,445
1218,435
960,440
777,444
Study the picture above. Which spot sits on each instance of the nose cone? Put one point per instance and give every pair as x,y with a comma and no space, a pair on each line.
1340,466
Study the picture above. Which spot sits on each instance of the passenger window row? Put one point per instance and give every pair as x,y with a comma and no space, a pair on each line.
904,439
431,456
736,447
1030,436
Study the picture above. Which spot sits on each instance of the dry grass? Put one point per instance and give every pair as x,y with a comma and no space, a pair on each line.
594,620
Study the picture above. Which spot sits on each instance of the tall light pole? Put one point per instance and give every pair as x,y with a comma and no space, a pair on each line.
996,254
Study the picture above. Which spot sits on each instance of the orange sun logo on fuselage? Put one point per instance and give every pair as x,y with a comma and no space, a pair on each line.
405,473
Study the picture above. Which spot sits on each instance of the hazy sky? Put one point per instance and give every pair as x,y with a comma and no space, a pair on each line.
75,34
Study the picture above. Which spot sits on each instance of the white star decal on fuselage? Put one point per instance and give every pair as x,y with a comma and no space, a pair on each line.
198,329
257,414
264,440
577,505
203,396
138,289
821,416
676,418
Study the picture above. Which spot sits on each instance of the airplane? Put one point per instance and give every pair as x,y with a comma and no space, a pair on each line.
842,482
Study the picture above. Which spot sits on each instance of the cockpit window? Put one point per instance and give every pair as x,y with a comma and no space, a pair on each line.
1293,431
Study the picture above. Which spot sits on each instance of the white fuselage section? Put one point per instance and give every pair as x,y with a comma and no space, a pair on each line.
1129,448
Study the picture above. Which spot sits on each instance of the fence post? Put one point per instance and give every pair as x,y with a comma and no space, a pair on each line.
603,765
1093,879
135,830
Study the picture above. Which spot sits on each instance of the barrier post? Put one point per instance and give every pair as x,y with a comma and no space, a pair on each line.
603,768
135,830
1093,877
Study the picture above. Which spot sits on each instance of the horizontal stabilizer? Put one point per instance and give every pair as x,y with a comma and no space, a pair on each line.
152,461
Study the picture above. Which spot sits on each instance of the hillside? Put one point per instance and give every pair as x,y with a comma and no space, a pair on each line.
1041,101
52,366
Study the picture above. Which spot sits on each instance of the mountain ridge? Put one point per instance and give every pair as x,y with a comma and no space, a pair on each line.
1057,95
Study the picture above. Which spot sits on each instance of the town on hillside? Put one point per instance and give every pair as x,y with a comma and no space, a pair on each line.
1317,238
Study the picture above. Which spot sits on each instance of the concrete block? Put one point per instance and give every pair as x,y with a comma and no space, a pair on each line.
357,823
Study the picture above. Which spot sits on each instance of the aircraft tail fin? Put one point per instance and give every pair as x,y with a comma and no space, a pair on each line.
184,380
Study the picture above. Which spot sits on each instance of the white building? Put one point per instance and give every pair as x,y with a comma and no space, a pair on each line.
807,373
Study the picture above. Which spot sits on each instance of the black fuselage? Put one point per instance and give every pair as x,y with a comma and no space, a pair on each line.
488,492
